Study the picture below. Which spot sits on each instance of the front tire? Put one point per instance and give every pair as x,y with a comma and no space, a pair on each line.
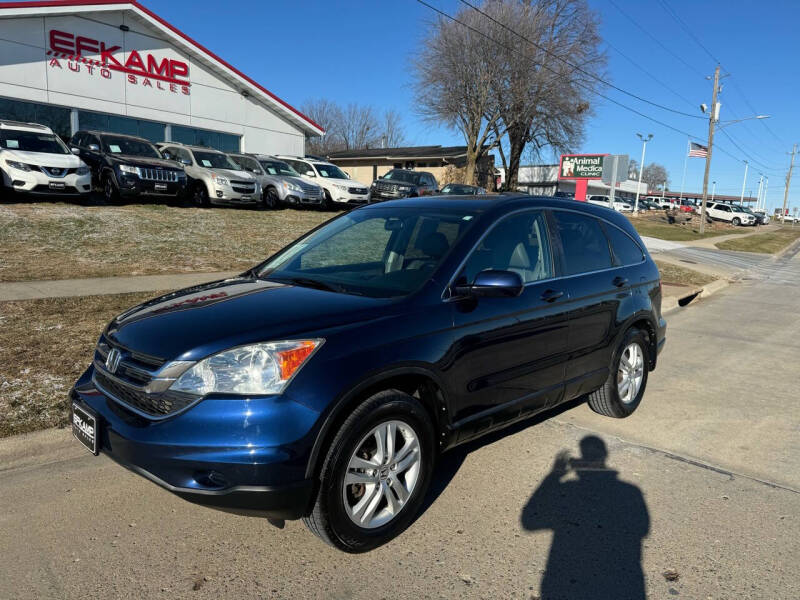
328,203
200,196
736,222
110,191
376,473
270,199
624,389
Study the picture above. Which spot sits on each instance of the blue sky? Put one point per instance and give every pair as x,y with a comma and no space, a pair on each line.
360,51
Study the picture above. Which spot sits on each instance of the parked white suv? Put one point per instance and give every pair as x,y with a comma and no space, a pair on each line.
606,201
719,211
213,177
338,187
34,160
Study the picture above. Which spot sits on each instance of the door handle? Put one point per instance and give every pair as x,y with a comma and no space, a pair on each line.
551,295
620,281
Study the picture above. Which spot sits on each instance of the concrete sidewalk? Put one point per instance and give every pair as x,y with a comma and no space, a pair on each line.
65,288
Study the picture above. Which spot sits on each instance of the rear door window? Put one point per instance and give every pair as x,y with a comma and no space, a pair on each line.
584,245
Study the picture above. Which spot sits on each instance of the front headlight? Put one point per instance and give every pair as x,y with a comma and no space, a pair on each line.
292,187
219,180
129,169
18,165
256,369
82,171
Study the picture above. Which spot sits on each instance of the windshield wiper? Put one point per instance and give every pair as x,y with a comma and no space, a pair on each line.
308,282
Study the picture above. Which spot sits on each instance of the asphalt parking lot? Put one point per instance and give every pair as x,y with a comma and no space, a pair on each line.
697,495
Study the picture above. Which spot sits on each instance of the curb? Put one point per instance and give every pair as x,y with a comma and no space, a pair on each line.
671,304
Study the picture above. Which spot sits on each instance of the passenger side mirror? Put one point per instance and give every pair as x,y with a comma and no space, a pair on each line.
185,161
75,151
493,283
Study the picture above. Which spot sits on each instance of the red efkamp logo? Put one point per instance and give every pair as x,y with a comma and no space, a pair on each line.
140,69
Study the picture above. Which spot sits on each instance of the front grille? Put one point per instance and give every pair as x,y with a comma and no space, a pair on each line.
156,405
386,187
313,191
165,175
243,187
357,190
56,172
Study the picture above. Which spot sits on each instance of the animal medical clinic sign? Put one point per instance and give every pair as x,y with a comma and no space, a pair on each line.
96,58
581,168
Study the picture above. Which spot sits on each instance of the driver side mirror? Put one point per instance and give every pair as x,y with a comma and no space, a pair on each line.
75,151
493,283
94,147
310,173
186,162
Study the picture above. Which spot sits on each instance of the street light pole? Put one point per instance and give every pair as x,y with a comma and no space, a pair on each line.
711,122
744,182
713,190
760,184
641,168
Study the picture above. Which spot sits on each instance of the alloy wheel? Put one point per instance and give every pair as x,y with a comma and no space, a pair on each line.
382,474
630,373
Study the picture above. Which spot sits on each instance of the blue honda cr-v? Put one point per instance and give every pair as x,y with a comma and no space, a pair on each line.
324,383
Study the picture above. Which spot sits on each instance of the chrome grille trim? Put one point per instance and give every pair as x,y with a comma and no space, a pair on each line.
165,175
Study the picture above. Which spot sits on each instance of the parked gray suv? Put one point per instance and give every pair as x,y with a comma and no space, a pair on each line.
213,177
283,185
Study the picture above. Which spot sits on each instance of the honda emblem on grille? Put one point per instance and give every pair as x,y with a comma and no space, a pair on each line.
112,360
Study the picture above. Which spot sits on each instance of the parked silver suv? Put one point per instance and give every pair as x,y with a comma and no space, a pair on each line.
285,186
280,184
213,177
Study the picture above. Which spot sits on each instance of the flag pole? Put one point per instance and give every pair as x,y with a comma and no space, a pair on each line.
685,160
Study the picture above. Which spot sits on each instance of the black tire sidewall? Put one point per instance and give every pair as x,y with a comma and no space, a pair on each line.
638,336
199,196
271,198
347,534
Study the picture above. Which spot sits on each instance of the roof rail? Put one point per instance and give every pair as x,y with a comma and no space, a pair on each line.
23,123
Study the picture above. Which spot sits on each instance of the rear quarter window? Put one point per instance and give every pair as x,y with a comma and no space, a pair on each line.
626,250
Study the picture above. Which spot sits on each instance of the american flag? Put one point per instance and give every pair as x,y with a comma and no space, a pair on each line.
698,150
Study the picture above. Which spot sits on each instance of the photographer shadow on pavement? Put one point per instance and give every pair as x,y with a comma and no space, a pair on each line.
598,524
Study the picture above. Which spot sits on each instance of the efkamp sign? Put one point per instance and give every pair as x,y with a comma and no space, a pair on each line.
581,166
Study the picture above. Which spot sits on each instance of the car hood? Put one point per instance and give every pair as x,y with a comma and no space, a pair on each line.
144,161
299,181
234,174
199,321
64,161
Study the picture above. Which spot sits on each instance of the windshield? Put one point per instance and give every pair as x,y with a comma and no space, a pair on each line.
330,171
129,147
275,167
380,252
214,160
458,189
404,176
30,141
246,164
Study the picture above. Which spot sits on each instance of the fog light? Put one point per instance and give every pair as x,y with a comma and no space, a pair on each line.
17,183
219,194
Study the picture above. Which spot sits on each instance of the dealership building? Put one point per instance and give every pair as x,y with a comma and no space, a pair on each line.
116,66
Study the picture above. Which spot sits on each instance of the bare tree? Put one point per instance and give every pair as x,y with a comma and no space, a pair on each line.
329,116
655,176
549,57
633,169
360,126
454,73
393,133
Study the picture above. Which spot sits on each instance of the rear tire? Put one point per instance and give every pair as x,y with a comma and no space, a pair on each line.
629,369
356,516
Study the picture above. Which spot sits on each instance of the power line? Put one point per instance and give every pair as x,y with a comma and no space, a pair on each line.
576,67
591,90
680,21
657,41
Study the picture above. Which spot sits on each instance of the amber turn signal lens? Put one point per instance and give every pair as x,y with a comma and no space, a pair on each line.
290,360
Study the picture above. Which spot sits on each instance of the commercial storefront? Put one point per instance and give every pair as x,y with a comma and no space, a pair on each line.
543,180
116,66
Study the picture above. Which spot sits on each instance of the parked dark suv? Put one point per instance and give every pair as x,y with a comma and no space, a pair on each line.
402,183
127,166
325,382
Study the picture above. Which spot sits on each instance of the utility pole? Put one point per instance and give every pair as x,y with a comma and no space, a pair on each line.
711,121
641,168
744,182
788,181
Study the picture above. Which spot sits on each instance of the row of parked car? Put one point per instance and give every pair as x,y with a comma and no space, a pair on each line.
36,161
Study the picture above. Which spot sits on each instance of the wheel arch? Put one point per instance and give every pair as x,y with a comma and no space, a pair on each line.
644,321
416,381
